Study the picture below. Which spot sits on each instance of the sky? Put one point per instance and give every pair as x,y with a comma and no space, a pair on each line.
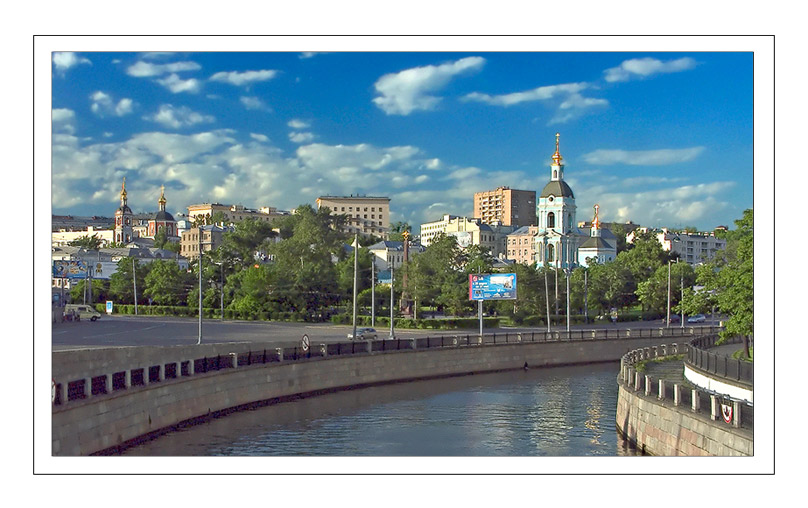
661,139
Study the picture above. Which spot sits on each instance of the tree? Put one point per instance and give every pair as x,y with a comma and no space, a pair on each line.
121,284
167,284
88,242
733,280
653,292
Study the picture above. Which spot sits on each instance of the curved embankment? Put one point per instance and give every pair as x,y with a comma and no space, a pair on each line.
108,398
667,418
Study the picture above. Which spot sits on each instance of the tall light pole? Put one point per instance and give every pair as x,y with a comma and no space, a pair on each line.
199,268
134,283
682,298
392,300
669,295
355,271
547,296
373,291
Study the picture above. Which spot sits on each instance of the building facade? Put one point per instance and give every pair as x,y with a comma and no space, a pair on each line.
506,206
211,238
123,219
233,213
596,249
468,231
367,215
162,219
693,247
522,245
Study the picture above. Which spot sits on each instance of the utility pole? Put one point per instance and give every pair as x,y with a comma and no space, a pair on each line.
222,291
586,296
547,297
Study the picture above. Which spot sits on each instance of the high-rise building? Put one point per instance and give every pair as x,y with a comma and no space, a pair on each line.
506,206
367,215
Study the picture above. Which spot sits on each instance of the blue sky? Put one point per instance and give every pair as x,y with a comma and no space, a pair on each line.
663,139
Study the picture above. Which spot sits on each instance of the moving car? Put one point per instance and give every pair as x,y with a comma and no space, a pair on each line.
698,318
364,333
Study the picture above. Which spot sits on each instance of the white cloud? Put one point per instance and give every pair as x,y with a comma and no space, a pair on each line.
407,91
243,78
145,69
62,120
177,85
64,60
298,124
644,157
572,104
301,137
645,67
173,117
259,137
254,103
103,105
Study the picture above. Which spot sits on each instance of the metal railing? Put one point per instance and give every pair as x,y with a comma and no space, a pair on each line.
721,366
77,390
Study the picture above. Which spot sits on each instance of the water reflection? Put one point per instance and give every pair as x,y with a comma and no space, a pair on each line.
567,411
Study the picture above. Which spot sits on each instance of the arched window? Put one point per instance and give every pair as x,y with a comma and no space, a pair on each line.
555,173
551,220
550,253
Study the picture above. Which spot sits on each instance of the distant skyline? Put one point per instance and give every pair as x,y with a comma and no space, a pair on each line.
662,139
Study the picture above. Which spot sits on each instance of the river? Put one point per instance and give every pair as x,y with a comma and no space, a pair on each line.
561,411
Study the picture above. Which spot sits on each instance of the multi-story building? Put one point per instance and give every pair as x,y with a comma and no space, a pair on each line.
367,215
233,213
693,247
468,231
211,238
63,237
506,206
522,245
389,253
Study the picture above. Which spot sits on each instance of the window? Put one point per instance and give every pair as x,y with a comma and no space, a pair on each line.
550,253
551,220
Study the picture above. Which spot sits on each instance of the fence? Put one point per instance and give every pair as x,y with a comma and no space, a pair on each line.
101,384
721,407
721,366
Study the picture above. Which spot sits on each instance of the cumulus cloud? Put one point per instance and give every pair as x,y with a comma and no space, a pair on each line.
301,137
639,68
64,60
175,118
566,98
102,105
254,103
143,69
298,124
259,137
644,157
243,78
177,85
62,120
403,92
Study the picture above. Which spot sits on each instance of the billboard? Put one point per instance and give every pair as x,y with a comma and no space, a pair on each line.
69,269
498,286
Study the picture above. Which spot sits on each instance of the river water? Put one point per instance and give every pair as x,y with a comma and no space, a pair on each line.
561,411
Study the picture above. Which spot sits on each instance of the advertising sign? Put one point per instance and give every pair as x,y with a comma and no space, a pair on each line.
69,269
498,286
109,306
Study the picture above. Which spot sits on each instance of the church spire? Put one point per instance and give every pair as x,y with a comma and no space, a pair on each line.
558,166
123,192
162,201
557,158
595,231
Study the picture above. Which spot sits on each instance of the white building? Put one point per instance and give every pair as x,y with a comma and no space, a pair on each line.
558,236
694,248
596,249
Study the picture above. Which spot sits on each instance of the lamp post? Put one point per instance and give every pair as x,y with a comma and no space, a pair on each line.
392,301
199,268
134,283
373,291
355,271
669,295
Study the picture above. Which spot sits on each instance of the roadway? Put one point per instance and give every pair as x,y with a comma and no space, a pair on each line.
127,331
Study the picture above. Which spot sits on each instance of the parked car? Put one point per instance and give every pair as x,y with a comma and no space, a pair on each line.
697,318
364,333
83,311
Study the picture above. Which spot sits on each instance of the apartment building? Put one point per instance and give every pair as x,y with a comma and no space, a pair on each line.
234,213
211,238
521,246
506,206
692,247
367,215
468,231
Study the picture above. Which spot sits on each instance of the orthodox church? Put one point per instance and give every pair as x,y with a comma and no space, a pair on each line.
559,243
126,231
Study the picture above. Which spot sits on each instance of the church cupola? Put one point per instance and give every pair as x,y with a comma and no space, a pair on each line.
595,231
558,166
161,203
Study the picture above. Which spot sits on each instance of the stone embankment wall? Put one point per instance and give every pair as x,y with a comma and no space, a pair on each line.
106,398
669,419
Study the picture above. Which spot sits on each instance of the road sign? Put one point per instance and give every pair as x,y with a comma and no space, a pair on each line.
498,286
726,412
305,342
109,306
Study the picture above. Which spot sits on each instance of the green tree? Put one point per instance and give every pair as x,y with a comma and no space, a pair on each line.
167,284
121,283
100,291
88,242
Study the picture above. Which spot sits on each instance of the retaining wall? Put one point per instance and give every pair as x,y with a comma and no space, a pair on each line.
101,404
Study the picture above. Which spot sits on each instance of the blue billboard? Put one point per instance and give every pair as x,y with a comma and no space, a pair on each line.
497,286
69,269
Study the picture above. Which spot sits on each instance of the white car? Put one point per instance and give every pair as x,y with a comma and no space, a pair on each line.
698,318
364,333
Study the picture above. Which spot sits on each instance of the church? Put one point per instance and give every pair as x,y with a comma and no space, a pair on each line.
558,241
126,229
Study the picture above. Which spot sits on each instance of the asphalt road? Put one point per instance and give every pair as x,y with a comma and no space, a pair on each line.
125,331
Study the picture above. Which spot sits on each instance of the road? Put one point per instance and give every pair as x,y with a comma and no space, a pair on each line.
124,331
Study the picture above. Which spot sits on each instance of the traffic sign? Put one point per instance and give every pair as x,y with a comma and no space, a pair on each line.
305,342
